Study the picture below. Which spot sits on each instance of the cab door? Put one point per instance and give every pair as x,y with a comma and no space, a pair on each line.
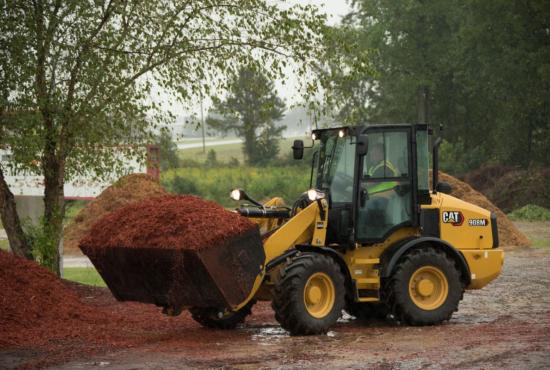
385,185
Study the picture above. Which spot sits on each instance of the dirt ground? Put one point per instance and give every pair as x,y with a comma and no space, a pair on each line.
506,325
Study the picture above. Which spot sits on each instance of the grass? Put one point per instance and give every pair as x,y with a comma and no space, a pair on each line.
541,243
4,244
83,275
195,140
537,231
72,207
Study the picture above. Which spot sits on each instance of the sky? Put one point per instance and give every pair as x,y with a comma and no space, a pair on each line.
335,10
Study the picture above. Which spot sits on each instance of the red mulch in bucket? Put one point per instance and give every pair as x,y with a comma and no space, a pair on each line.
126,190
176,252
176,222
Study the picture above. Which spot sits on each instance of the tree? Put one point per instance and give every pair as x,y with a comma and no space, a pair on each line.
168,151
76,78
478,67
251,109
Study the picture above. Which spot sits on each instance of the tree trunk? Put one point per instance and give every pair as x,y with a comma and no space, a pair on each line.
10,220
54,203
423,104
250,143
529,153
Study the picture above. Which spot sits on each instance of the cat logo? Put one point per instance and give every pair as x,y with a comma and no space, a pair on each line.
454,218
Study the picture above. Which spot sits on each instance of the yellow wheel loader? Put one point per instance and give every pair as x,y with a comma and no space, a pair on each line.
369,237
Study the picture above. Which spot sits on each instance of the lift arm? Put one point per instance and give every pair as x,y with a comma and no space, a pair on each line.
305,227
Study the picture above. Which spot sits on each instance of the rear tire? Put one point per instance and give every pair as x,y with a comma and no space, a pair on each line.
425,288
309,295
209,317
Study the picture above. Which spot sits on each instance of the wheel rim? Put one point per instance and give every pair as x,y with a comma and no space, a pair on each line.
428,288
319,295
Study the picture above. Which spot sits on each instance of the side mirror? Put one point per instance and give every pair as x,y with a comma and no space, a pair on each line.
298,149
444,187
362,145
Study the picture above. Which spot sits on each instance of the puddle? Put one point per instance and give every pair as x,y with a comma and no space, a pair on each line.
269,335
345,318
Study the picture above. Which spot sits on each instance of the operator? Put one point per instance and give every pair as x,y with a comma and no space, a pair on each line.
379,167
380,187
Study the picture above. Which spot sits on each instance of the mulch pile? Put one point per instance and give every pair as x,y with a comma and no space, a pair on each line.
58,321
34,302
126,190
508,233
174,221
511,188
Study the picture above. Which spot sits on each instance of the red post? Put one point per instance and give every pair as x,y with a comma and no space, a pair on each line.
153,161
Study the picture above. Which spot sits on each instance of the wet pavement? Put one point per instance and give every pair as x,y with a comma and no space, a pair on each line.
505,325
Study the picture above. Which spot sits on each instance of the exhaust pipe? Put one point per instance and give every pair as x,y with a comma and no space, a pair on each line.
435,167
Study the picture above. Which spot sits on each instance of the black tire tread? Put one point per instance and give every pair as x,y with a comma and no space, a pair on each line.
395,298
287,294
207,317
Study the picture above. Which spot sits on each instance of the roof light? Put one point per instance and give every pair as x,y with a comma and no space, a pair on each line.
341,133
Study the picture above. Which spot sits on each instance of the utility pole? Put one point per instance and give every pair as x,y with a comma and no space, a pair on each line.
202,124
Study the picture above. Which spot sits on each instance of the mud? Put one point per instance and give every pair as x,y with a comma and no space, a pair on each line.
505,325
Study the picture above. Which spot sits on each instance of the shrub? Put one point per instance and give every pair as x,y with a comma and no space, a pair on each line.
530,212
181,185
211,159
233,162
41,238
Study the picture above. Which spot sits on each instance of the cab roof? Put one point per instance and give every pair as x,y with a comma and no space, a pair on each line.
362,128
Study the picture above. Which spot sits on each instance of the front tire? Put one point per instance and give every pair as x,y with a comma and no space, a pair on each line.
213,318
309,295
425,288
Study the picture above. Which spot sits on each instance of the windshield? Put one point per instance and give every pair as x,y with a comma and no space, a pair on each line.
336,162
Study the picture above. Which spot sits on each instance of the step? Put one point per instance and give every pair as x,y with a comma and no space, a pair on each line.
366,261
368,281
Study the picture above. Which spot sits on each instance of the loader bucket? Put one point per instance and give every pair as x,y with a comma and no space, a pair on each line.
218,276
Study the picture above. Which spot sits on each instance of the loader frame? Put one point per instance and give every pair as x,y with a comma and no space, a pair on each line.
368,263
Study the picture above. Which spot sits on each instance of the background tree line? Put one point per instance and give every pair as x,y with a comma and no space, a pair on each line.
479,68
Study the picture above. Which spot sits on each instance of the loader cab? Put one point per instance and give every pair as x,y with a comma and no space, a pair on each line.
373,189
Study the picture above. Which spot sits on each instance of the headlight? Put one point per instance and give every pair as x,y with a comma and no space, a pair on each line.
314,194
236,194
